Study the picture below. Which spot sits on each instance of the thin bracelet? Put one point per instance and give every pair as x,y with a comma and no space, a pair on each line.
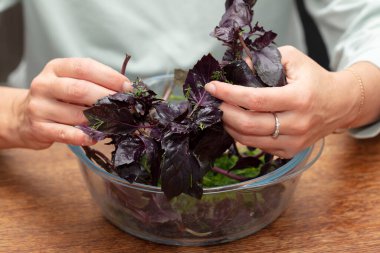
362,91
362,98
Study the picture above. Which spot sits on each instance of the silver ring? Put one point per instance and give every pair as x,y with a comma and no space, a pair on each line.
276,126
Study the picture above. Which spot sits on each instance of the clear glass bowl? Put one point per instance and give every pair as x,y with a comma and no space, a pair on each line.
223,214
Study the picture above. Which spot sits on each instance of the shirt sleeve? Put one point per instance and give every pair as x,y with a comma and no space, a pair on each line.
5,4
366,132
351,31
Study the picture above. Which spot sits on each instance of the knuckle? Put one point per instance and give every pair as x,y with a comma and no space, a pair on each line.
256,101
37,85
32,108
76,89
61,135
302,127
54,62
36,127
81,67
244,125
304,100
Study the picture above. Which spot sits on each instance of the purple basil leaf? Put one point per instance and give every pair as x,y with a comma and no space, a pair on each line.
251,3
132,154
264,40
226,34
272,165
133,172
211,144
94,134
152,153
128,151
119,98
180,172
268,157
267,63
229,56
207,116
166,113
198,76
238,15
246,162
160,211
238,72
110,119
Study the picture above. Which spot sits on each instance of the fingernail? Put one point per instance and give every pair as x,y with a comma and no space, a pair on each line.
127,86
88,141
210,87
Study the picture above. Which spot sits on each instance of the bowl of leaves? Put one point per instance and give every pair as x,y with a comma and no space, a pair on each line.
164,168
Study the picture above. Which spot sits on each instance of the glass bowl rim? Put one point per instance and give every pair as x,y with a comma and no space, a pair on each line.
279,175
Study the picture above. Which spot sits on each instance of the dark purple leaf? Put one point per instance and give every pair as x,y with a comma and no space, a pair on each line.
167,113
267,63
229,55
207,116
246,162
94,134
251,3
160,211
119,98
152,154
128,150
237,16
264,40
180,172
238,72
211,144
272,165
133,172
196,79
110,119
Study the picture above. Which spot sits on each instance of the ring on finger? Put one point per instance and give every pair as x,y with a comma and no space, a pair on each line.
277,125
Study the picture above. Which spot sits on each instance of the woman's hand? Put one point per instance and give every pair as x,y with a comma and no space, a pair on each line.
57,98
313,104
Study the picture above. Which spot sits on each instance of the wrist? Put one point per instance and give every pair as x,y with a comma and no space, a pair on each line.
11,117
350,92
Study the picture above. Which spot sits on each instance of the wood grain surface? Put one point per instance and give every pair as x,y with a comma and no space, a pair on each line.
45,207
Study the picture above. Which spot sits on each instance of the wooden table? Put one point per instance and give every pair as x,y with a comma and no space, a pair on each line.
45,207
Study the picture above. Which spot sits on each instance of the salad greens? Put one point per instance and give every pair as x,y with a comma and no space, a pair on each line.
183,146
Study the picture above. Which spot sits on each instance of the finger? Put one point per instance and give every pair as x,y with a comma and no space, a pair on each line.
287,54
76,91
261,142
65,134
257,99
90,70
60,112
284,145
261,123
247,122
